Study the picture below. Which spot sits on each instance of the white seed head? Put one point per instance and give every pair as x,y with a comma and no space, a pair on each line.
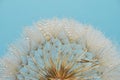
61,50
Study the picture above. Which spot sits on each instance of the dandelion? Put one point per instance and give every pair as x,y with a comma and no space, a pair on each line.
61,50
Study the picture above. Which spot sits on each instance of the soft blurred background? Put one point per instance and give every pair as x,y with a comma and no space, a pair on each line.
16,14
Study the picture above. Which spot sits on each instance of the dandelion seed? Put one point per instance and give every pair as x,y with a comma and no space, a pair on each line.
61,50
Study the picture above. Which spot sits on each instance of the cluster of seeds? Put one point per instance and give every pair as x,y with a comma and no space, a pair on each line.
60,50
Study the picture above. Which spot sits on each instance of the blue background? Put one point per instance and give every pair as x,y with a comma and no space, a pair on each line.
16,14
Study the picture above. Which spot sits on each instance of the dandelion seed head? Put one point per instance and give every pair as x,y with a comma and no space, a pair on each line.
61,50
